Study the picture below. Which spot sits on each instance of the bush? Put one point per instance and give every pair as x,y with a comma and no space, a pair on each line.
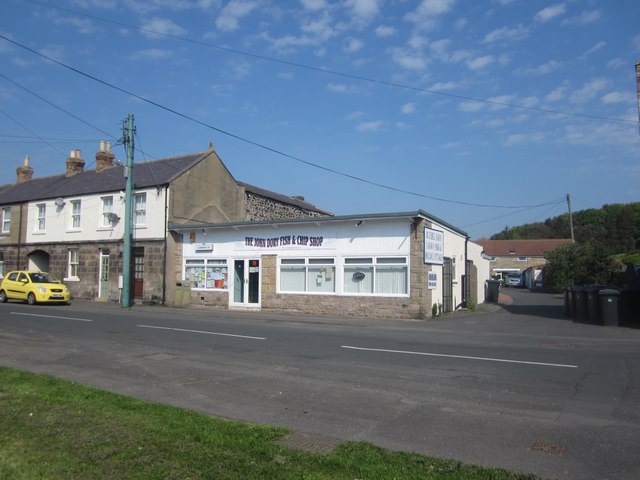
577,264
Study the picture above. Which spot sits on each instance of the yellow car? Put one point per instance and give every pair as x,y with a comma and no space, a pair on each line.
34,287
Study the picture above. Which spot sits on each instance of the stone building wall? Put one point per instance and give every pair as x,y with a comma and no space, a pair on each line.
259,208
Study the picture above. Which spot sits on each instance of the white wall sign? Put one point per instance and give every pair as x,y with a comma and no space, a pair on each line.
204,247
433,280
433,246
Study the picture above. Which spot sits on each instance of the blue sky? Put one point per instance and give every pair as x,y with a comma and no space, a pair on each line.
361,106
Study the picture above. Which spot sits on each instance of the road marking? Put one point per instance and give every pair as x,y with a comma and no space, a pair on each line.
51,316
201,331
485,359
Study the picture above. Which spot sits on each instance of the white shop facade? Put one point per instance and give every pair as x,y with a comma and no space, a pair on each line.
396,265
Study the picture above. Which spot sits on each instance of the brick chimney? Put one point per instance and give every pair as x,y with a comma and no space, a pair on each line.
75,164
104,157
25,172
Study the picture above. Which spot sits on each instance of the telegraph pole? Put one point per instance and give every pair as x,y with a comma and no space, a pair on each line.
128,132
573,240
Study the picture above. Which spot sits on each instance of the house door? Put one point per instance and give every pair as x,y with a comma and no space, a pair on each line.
246,283
138,272
103,283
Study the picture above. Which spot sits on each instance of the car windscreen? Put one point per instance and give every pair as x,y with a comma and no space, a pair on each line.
42,278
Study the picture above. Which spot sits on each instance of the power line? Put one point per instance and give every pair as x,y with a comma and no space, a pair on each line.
336,72
259,145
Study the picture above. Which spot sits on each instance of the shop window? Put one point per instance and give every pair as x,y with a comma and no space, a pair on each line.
206,274
6,219
380,276
312,275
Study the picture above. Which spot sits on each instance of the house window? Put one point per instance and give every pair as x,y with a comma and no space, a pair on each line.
382,275
72,271
75,214
141,208
6,219
315,275
107,209
42,216
522,259
206,274
1,263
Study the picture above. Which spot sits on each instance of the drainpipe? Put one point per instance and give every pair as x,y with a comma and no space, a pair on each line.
467,286
164,253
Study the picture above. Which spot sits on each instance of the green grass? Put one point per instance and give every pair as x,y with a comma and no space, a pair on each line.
55,429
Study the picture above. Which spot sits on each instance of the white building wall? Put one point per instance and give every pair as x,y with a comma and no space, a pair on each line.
474,253
59,226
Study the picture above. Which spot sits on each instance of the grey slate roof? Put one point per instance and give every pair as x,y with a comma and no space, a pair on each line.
146,174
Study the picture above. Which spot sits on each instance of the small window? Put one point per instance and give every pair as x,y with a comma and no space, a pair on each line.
107,210
141,208
6,219
522,259
72,270
75,214
42,217
1,263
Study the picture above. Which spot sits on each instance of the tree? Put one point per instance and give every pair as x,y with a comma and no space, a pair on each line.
577,264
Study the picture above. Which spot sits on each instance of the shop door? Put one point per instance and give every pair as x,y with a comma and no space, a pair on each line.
246,283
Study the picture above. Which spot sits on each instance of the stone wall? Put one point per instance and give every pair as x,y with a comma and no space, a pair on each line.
259,208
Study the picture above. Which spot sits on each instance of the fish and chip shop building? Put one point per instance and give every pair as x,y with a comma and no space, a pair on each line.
396,265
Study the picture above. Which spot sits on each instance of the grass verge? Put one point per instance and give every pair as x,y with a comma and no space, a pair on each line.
55,429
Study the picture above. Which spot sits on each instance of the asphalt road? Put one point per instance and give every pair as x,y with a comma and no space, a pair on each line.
520,387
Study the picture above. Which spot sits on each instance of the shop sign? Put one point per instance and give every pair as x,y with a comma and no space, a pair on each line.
433,246
287,241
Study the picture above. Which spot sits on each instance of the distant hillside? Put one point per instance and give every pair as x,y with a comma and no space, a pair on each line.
616,227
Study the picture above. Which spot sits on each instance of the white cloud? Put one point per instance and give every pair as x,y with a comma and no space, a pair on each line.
82,25
470,106
480,62
373,126
384,31
337,88
314,5
544,69
151,54
585,18
230,15
506,34
589,91
353,45
147,6
408,108
619,97
440,50
595,48
440,86
408,60
549,13
555,95
428,10
363,10
616,63
161,26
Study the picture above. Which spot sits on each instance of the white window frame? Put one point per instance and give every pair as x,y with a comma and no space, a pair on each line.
73,263
107,207
523,259
371,270
140,209
319,275
6,219
41,219
206,273
76,218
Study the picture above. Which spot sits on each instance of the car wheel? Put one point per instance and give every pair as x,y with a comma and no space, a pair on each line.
31,299
3,297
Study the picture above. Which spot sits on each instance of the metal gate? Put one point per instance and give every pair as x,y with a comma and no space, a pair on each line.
447,285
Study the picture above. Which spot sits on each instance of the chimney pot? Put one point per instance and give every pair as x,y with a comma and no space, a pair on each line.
104,157
75,164
25,172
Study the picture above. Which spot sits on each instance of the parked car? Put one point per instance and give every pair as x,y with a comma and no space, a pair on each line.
33,287
514,280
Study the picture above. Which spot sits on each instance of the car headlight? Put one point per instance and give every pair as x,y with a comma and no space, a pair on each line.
41,289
